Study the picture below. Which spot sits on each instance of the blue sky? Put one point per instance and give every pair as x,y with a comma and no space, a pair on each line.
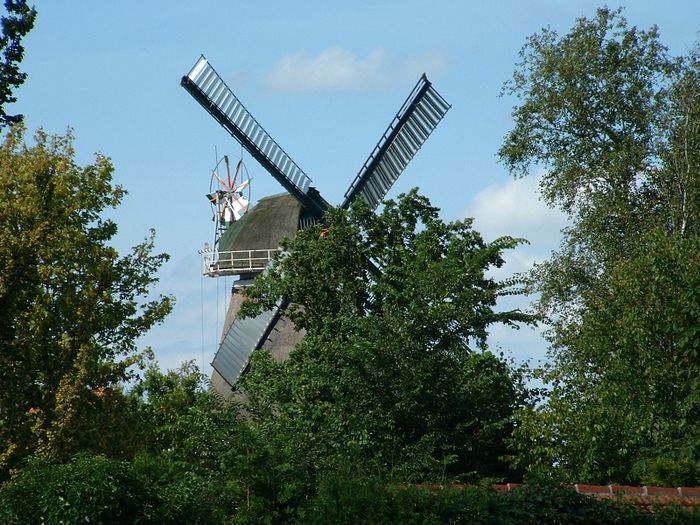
325,79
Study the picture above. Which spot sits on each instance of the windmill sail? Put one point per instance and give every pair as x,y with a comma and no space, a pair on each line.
420,114
209,89
243,337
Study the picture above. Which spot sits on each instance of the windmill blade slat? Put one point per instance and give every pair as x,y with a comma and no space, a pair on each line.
427,115
370,192
394,162
245,123
266,144
373,187
276,155
385,174
429,111
437,102
259,135
420,114
214,92
227,103
252,130
206,81
211,84
382,176
396,150
390,163
221,96
401,145
286,166
242,339
295,175
396,155
411,139
235,111
208,88
424,116
417,127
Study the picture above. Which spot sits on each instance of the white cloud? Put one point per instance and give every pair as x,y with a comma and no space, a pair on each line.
339,68
514,208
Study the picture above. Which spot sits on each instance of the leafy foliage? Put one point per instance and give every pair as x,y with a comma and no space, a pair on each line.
180,421
179,493
671,472
629,378
599,110
387,379
88,489
71,309
14,25
432,284
353,500
95,489
615,122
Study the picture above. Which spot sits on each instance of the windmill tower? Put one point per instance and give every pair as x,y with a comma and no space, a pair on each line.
245,248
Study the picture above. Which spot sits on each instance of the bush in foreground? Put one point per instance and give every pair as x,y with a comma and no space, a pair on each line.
96,489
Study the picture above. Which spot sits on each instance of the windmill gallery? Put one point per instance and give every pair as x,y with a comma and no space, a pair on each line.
244,242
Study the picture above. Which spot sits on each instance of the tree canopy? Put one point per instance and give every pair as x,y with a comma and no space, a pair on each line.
392,375
393,385
614,122
71,308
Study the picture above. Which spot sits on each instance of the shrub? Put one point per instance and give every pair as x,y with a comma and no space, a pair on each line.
95,489
670,472
355,501
89,489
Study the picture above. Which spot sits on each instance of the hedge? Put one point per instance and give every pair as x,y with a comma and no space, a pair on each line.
150,490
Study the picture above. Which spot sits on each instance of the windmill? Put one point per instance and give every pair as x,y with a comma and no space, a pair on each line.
247,245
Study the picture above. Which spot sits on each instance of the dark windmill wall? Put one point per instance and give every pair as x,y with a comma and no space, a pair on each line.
262,228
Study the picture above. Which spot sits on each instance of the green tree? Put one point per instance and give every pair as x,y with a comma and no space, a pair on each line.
626,390
614,121
14,25
593,112
391,376
183,432
71,308
179,419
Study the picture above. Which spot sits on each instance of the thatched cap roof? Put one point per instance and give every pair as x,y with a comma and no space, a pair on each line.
264,226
